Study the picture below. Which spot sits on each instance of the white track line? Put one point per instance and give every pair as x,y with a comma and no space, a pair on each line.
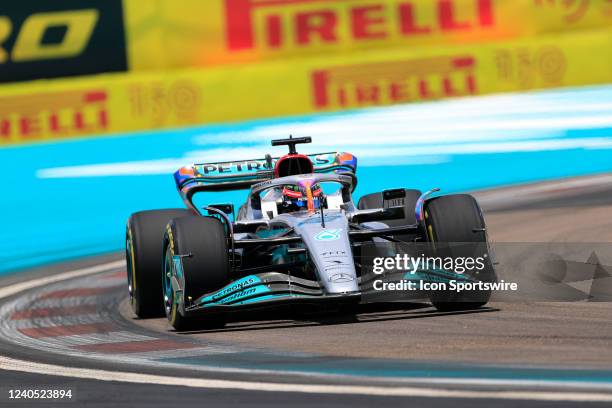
7,363
104,375
95,338
61,302
44,322
20,287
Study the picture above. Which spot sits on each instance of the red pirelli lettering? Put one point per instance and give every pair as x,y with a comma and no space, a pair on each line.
58,114
394,82
320,23
286,23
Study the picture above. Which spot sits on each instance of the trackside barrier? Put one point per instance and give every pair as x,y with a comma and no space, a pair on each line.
166,34
114,103
41,39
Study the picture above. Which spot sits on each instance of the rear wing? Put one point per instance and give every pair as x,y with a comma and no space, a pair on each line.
241,175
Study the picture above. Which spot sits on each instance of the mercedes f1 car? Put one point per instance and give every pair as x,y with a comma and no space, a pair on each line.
298,238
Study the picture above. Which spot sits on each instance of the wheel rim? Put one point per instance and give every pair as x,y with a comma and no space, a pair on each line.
167,286
130,268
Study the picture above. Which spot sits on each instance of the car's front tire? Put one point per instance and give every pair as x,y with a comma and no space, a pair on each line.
455,219
143,252
201,245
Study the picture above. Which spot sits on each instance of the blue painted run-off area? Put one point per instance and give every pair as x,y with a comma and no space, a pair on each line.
72,199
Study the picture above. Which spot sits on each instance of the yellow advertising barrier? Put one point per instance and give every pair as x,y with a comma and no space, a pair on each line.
194,33
115,103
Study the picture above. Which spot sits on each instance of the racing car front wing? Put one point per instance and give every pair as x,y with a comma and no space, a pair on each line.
265,289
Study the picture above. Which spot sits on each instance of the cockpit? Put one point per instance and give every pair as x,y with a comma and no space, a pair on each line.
308,195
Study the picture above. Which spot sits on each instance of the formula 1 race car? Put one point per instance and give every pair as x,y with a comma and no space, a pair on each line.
296,239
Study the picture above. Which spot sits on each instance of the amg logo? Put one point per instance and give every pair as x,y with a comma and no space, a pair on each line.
394,82
278,23
59,114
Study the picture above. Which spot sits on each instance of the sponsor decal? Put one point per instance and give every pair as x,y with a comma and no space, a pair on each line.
336,265
235,287
528,67
48,39
391,82
238,295
161,102
333,254
242,288
54,115
573,10
328,235
230,167
277,24
251,166
341,278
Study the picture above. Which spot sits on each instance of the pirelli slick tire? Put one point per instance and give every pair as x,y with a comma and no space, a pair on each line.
143,253
458,219
198,246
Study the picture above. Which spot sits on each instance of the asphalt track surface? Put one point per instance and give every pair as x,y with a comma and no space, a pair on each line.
80,333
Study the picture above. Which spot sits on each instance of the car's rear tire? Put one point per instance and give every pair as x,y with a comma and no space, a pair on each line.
458,219
144,252
201,243
376,200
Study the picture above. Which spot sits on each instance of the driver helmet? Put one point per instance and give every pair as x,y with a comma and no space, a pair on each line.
301,196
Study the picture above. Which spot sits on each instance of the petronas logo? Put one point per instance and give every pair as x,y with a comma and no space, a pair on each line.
328,235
